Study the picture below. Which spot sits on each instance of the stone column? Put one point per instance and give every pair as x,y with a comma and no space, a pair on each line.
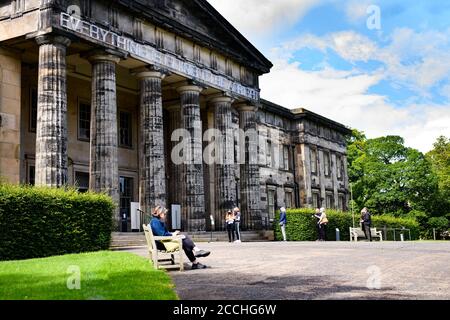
51,131
250,178
194,199
152,191
176,183
104,171
225,166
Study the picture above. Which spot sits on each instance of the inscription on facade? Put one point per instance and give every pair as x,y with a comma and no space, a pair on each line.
153,56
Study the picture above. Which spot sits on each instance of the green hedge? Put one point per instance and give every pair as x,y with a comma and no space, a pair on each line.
301,226
42,222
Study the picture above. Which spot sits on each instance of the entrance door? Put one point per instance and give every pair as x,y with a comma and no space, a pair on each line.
126,197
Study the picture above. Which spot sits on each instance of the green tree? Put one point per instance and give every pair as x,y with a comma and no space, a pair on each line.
388,177
439,158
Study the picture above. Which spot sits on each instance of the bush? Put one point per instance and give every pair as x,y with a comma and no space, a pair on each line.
42,222
301,226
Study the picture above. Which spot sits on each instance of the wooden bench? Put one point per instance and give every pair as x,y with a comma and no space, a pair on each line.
157,255
358,233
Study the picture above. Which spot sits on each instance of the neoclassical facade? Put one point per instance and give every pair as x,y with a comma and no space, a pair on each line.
93,94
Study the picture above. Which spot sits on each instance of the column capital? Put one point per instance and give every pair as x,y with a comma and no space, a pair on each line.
100,55
220,99
174,107
149,72
242,107
53,39
188,86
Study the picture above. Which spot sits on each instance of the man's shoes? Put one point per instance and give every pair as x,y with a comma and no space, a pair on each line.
202,254
198,266
237,241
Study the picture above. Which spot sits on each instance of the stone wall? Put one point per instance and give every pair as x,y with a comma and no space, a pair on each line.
10,102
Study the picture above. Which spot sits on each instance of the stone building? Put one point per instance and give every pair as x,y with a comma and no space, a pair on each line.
92,92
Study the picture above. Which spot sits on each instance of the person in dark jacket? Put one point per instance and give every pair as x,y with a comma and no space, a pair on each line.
283,222
366,223
159,229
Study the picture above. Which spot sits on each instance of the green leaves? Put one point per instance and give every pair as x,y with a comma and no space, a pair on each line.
42,222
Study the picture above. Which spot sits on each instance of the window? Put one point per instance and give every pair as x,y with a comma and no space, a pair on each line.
125,130
289,199
316,199
159,39
327,164
271,203
313,160
126,196
84,121
269,153
330,201
179,47
286,157
82,181
342,203
213,61
338,167
33,109
229,68
31,175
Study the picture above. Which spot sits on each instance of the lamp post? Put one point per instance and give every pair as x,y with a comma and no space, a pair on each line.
351,199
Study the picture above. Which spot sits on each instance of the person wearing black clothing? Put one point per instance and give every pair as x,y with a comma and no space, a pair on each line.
366,223
229,220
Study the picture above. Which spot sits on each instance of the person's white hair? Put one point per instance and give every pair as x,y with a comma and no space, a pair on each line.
322,209
282,209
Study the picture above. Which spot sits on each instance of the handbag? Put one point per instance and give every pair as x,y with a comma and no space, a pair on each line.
324,220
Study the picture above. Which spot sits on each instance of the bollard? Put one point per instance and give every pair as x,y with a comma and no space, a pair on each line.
338,235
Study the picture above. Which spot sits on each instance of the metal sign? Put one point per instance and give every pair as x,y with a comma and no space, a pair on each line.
155,57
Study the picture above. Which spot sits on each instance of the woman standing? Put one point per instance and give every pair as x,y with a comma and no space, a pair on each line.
322,224
229,220
237,223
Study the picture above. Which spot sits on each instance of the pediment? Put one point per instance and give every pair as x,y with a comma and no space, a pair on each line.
198,20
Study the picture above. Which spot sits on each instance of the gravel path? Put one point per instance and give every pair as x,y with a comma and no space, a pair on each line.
330,270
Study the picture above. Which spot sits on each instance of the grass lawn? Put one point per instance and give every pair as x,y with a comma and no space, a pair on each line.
104,276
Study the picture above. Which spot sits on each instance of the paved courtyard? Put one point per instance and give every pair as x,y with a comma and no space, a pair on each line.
330,270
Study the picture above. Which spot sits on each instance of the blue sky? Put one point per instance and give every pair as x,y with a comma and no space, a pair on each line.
392,80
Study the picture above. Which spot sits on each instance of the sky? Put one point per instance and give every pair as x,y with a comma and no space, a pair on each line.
380,66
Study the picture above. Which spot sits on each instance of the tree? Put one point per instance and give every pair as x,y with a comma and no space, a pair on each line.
439,158
388,177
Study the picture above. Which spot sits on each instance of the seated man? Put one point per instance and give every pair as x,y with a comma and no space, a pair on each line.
159,229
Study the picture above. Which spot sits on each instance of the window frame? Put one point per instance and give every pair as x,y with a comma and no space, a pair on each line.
119,128
87,103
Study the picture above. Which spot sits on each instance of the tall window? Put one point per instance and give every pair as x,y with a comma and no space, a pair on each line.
269,153
341,202
271,203
313,160
338,167
316,199
84,121
82,181
289,199
327,160
33,109
286,158
330,201
125,130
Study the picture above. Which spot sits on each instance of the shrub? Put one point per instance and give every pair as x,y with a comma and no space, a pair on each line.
42,222
301,226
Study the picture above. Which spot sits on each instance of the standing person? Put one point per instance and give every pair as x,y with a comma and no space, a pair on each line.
283,221
237,223
317,216
158,227
366,223
229,220
323,221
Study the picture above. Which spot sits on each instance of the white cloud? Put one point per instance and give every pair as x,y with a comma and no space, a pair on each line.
342,96
356,10
259,17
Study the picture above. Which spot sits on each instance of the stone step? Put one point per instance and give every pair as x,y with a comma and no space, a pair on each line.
137,239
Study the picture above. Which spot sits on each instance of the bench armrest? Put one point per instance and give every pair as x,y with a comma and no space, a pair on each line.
167,238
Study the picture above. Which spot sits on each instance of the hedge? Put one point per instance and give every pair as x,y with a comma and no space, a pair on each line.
301,226
42,222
